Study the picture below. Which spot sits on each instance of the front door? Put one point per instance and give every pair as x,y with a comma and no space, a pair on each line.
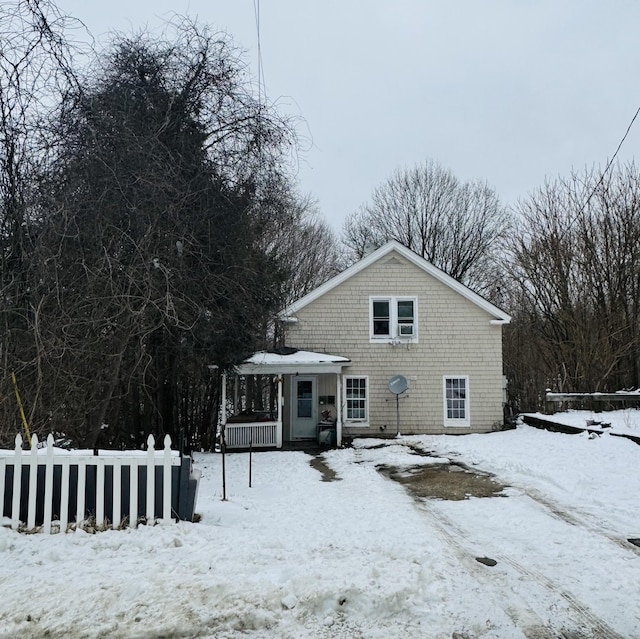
304,407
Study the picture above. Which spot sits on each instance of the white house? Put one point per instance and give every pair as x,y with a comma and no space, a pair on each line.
390,344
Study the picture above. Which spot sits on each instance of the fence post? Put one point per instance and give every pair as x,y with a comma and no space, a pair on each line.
17,483
151,478
100,518
48,486
133,493
597,403
33,483
549,406
64,497
3,471
82,488
117,492
166,482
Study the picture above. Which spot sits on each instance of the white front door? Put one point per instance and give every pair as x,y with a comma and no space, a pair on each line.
304,407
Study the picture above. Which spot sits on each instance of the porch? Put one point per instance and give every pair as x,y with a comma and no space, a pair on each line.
285,396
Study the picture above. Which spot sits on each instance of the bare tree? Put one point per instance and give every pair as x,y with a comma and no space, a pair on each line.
456,226
149,228
36,69
297,237
146,264
575,274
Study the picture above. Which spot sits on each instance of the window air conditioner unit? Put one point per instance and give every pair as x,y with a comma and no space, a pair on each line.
405,330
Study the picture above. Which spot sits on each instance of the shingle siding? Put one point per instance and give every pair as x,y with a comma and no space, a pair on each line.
455,337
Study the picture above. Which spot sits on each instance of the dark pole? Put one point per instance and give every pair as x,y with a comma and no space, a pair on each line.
181,451
224,474
250,451
398,414
181,441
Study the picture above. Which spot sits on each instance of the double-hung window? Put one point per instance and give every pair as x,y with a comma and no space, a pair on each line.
356,399
456,401
393,318
381,315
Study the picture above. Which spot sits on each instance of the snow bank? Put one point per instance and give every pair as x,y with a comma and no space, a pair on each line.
298,557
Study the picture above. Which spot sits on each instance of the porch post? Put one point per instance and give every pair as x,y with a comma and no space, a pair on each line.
236,382
279,424
339,409
223,401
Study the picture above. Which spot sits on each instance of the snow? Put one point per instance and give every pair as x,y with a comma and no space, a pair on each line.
298,557
299,357
86,452
623,421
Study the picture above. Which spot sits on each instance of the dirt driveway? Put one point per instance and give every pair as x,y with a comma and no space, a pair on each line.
526,581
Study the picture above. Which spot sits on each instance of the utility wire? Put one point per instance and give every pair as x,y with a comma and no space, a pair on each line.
610,163
624,137
601,180
261,87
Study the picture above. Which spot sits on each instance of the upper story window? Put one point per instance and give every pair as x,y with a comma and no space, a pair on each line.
381,318
393,318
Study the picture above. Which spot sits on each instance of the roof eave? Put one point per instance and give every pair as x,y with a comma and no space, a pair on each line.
288,314
303,368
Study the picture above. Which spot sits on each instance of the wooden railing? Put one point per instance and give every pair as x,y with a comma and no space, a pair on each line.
29,479
251,434
596,402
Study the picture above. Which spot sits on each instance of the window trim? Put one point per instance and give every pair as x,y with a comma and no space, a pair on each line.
394,332
457,422
374,319
351,421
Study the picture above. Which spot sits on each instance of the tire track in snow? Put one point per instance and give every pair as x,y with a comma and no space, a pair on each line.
584,614
515,607
586,625
577,518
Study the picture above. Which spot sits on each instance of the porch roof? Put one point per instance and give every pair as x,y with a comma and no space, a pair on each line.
291,362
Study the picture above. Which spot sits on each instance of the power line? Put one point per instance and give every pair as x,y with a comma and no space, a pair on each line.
624,137
594,190
610,163
261,87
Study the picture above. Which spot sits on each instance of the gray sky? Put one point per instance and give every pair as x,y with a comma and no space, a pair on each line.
507,91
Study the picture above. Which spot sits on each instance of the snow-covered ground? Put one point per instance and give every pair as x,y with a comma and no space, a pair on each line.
624,421
298,557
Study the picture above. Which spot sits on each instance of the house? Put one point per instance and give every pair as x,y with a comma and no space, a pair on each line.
391,345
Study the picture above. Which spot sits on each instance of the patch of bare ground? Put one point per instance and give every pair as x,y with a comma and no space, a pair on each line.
319,464
444,481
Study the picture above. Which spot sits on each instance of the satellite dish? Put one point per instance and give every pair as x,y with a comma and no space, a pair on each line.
398,384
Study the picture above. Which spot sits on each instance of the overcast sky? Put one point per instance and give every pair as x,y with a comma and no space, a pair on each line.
506,91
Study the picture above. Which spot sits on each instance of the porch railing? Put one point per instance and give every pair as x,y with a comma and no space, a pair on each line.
254,434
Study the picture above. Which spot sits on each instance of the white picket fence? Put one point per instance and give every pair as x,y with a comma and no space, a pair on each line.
50,457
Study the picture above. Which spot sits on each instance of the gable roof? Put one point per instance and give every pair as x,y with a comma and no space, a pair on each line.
499,316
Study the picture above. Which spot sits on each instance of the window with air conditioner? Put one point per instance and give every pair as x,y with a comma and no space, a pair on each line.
393,318
405,330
